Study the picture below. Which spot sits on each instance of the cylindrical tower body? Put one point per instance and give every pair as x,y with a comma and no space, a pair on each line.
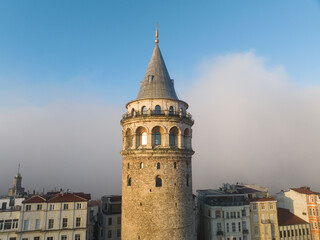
156,170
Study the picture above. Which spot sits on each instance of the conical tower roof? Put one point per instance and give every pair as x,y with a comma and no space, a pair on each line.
157,82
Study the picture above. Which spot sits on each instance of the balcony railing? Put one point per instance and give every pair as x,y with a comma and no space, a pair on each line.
219,233
156,113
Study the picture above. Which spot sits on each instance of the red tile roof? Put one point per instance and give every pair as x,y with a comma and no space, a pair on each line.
304,190
59,197
285,217
266,199
94,203
35,199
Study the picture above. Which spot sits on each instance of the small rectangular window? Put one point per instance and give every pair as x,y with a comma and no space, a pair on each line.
78,222
37,224
26,225
119,220
109,221
65,206
77,237
50,224
109,234
118,232
65,222
39,207
78,205
28,208
63,237
36,238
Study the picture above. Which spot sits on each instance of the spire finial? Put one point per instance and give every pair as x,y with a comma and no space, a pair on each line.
157,35
19,168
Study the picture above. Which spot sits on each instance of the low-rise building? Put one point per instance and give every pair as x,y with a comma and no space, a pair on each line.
303,203
292,227
110,218
224,213
264,221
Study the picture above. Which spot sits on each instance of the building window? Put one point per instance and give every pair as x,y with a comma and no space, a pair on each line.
109,221
118,220
209,213
77,237
78,222
292,232
227,214
307,231
254,206
233,227
109,234
1,224
280,234
175,165
51,207
157,109
144,138
244,225
26,225
158,165
270,206
36,238
13,238
243,212
144,110
15,223
141,165
65,206
299,232
219,227
262,206
50,224
296,231
28,208
63,237
157,138
49,238
158,181
141,136
118,232
288,232
150,78
256,230
173,137
239,227
218,214
170,110
39,207
7,224
78,205
65,222
129,181
37,224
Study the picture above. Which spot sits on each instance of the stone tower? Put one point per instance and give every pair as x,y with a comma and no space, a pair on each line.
157,152
17,190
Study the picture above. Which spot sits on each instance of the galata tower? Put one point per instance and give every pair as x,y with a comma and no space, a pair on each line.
156,167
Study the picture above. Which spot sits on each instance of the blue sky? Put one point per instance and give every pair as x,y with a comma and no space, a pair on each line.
100,49
248,69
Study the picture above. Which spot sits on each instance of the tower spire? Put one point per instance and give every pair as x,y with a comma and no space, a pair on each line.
157,34
19,168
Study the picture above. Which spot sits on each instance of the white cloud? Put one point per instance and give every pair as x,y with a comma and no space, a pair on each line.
252,124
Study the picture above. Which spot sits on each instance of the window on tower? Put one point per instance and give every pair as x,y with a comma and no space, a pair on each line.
129,181
157,133
144,110
173,137
129,138
141,136
158,165
170,110
157,109
158,181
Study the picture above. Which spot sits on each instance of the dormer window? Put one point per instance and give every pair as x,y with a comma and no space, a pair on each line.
150,78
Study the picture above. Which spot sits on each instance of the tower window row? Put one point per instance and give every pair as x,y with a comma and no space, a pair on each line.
139,138
156,111
158,181
158,165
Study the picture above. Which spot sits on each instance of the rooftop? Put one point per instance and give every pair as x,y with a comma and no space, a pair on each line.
285,217
304,190
59,197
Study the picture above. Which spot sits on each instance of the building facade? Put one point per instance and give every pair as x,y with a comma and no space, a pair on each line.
303,203
264,220
292,227
157,151
110,218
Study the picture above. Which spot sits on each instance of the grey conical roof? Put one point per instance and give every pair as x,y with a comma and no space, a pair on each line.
159,85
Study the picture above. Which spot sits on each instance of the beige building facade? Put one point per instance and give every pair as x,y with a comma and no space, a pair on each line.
264,220
157,151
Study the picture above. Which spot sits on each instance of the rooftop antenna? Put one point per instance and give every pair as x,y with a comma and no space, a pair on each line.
157,35
19,169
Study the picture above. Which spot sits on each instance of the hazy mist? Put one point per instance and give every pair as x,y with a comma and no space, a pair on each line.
253,124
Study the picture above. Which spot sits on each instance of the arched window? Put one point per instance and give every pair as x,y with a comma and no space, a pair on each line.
129,181
158,181
170,110
157,138
132,112
158,165
173,137
157,133
144,110
187,138
157,109
141,136
141,165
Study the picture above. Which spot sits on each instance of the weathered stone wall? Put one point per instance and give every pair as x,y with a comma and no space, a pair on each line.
151,212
